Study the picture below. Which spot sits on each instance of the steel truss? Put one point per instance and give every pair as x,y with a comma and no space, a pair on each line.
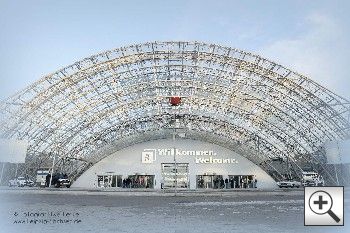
230,97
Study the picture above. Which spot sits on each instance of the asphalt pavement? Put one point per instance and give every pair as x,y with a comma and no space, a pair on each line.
81,210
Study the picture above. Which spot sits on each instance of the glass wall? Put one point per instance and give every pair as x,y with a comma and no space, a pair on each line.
139,181
108,181
241,181
210,181
175,175
231,182
132,181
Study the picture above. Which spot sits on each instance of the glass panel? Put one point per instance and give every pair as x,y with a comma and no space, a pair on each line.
210,181
241,181
99,181
175,175
119,181
113,184
109,181
140,181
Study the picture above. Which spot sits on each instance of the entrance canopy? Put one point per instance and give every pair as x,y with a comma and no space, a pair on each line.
229,97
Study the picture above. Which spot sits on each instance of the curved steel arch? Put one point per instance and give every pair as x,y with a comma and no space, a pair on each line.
230,97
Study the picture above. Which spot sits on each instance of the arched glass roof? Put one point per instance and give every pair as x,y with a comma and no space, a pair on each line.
228,97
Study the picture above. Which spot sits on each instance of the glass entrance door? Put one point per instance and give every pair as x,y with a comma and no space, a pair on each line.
210,182
108,181
175,175
241,181
140,181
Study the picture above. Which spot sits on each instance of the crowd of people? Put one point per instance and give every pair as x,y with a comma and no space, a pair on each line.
138,182
218,182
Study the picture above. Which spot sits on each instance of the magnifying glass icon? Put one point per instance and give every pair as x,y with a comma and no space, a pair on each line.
320,202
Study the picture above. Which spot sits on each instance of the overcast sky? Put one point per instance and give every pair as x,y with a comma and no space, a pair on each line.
39,37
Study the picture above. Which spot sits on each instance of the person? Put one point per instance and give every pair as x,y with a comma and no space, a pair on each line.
136,183
222,183
48,177
216,183
249,183
162,183
232,182
128,182
200,182
255,183
226,183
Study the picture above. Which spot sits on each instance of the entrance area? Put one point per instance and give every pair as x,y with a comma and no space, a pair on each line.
108,181
210,182
139,181
230,182
241,181
175,175
197,165
132,181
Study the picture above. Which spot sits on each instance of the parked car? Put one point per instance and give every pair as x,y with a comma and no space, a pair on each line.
13,182
29,183
289,184
312,179
21,182
58,180
62,182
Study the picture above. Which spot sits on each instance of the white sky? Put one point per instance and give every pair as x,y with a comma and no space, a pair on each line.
39,37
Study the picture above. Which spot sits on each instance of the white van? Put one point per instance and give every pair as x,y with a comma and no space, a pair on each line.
312,179
41,177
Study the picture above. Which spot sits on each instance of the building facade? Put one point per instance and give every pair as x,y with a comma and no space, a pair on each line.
77,116
184,163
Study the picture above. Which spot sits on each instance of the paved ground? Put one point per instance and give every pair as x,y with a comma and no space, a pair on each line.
33,210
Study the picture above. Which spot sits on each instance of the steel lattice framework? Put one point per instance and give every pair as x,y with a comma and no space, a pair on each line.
230,97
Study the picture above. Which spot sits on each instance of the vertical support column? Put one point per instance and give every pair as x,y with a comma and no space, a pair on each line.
335,167
53,164
175,156
2,172
16,169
